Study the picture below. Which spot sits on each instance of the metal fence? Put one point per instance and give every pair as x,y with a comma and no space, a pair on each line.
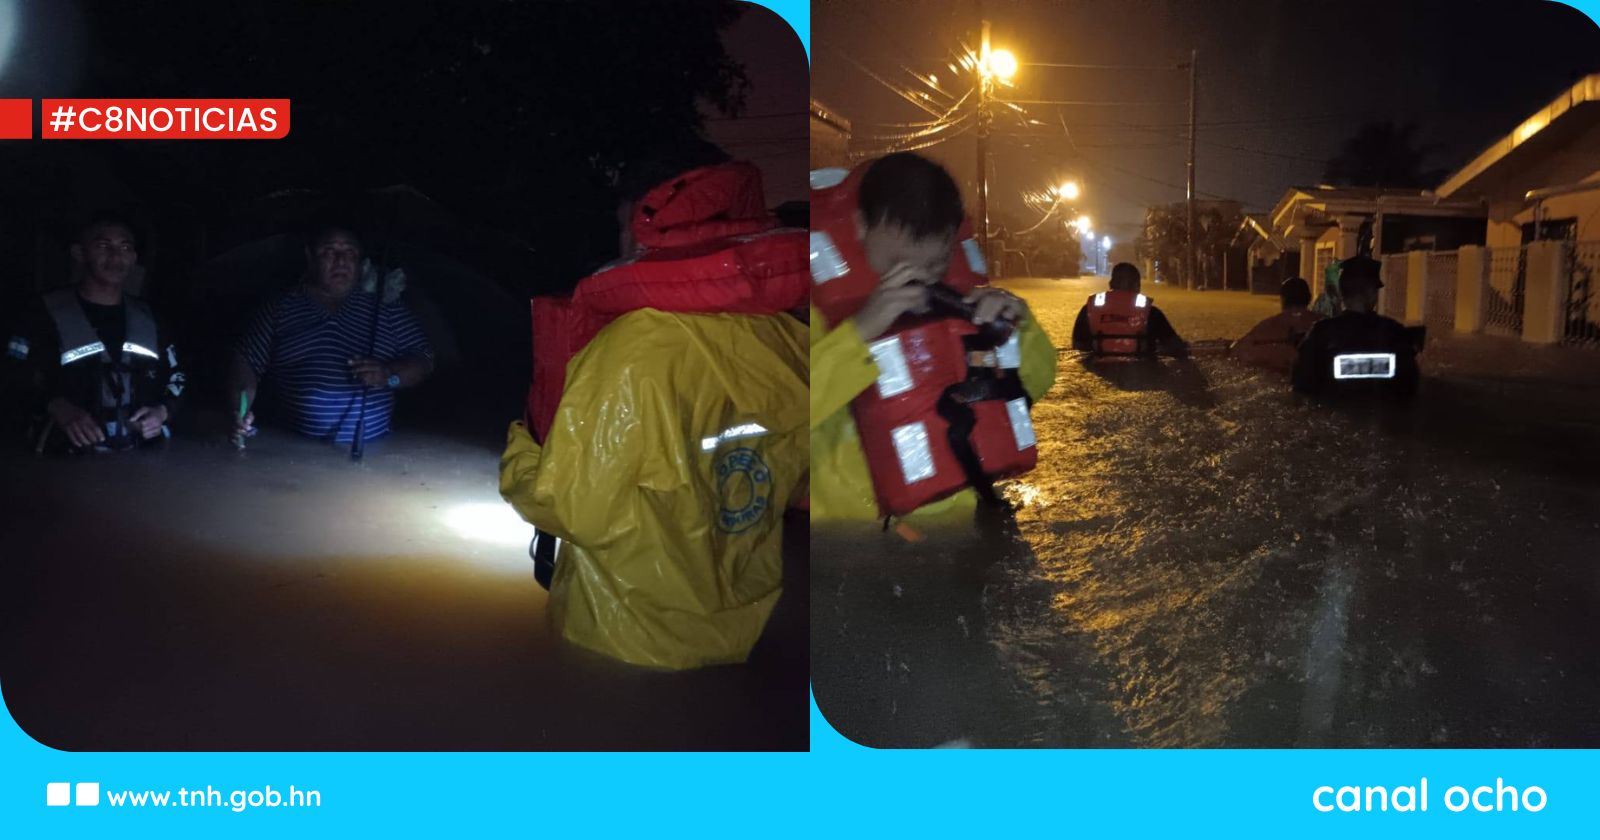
1502,303
1392,297
1439,309
1582,327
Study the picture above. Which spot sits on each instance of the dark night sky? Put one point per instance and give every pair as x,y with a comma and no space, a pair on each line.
773,131
1292,78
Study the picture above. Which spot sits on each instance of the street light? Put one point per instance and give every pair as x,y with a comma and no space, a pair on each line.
1002,64
1068,190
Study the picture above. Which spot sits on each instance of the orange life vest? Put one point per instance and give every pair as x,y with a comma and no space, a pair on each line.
948,410
1119,324
708,245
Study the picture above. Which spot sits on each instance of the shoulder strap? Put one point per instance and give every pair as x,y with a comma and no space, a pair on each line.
78,338
141,336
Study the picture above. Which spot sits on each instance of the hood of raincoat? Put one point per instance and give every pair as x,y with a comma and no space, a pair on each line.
701,205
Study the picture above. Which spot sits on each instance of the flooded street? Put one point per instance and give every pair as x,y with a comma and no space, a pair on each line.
1204,560
285,598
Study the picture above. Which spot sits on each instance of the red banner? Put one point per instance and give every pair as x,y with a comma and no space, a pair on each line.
16,119
164,119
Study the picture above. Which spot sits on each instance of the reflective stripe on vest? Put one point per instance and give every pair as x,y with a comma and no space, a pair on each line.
822,179
139,350
84,352
1009,354
1138,300
894,375
1021,423
826,261
911,447
974,254
739,432
1364,366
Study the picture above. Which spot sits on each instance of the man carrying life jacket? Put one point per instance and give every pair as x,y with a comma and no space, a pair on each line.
666,420
1358,353
101,370
1272,344
922,377
1122,324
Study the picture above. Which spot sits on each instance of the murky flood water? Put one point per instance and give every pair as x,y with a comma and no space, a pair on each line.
287,598
1203,559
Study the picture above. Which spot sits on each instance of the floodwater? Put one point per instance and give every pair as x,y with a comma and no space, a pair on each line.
287,598
1204,560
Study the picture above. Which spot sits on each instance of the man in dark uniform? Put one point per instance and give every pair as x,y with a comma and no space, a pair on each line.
1358,353
100,372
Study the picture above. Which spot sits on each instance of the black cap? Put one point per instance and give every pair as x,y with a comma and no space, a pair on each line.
1366,267
1359,274
1295,292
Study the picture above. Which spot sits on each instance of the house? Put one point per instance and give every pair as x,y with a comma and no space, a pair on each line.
1268,261
830,137
1320,224
1539,186
1547,169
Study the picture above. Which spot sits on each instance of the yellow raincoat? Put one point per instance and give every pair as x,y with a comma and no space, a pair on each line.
678,443
841,486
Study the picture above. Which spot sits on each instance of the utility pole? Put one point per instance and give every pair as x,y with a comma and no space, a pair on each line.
984,118
1191,255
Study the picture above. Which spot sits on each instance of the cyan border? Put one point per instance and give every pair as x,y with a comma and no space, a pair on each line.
841,789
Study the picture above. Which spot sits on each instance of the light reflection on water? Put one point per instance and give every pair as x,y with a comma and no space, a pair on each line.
1190,543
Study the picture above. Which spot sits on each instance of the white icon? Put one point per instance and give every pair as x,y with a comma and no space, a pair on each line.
88,793
58,793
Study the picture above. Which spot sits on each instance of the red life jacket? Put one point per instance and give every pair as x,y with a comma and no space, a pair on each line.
1119,324
948,410
708,245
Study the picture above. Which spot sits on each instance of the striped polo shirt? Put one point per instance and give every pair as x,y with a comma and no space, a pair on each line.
306,350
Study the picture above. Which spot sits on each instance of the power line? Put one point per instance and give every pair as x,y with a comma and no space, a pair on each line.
910,148
903,94
1175,138
927,128
1264,152
910,135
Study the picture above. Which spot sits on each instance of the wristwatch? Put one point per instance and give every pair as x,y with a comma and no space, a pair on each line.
394,381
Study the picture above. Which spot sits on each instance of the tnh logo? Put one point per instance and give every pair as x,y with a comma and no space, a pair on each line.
57,794
744,489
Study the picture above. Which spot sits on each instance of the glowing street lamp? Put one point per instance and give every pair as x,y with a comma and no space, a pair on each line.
1001,64
1068,191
